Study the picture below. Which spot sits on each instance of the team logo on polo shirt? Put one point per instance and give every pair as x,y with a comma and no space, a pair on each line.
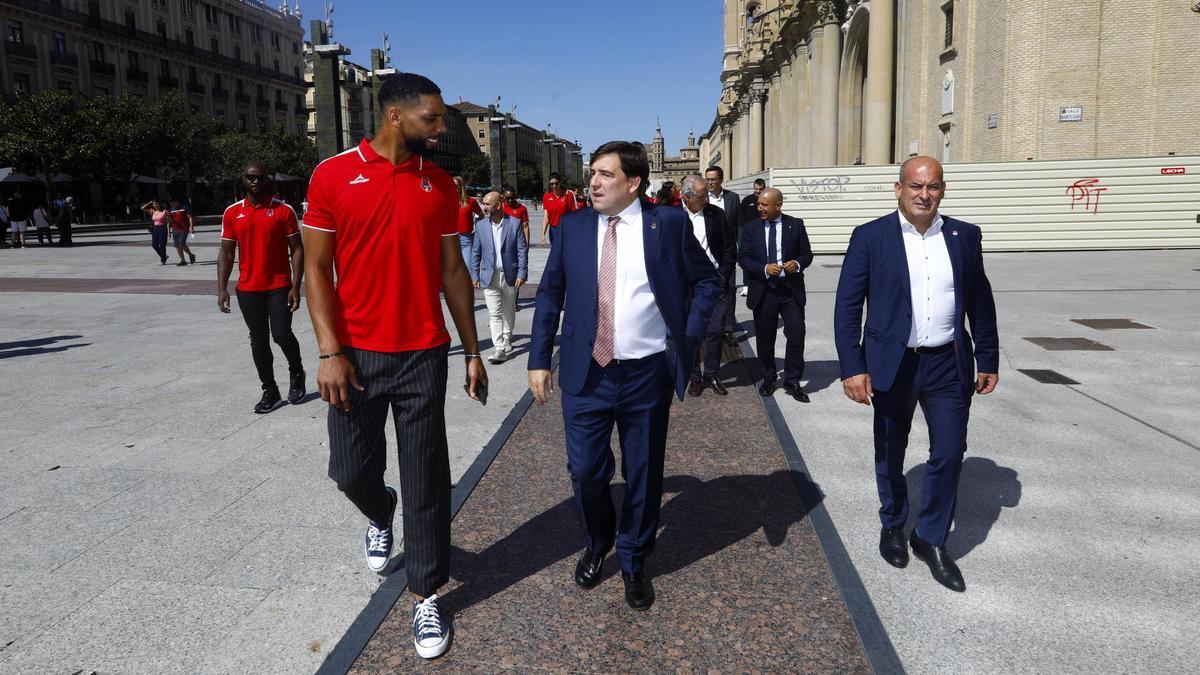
360,179
426,185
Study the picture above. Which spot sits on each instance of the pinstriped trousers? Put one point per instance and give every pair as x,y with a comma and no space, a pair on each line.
413,385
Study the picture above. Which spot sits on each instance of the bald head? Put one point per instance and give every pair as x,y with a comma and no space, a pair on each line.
920,190
493,205
770,204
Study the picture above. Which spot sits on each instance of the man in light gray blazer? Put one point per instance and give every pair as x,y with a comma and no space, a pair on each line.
499,265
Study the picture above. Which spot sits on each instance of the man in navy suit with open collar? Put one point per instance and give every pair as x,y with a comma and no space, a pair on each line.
921,275
773,255
636,291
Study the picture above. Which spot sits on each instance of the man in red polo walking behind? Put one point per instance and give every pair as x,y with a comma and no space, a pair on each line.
558,202
264,231
384,219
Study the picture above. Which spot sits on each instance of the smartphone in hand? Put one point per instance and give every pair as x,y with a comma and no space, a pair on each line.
481,390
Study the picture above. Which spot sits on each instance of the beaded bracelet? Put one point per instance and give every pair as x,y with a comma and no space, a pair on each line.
330,356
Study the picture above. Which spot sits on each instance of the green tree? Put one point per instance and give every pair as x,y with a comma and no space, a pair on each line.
529,181
37,134
477,170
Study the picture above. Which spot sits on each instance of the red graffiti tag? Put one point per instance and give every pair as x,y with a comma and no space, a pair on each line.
1086,190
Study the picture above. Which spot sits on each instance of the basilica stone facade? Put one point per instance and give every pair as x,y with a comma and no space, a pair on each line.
841,82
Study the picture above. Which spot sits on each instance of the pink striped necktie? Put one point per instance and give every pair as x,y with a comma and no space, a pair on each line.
602,349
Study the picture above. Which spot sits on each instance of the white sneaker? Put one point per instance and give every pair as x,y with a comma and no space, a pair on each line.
498,356
430,634
377,544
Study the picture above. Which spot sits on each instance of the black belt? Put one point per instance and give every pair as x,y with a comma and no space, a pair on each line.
619,362
931,350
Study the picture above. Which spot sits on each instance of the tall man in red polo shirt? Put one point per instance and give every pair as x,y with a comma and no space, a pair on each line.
556,203
384,219
264,231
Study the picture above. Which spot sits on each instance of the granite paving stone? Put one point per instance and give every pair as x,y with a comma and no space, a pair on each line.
740,579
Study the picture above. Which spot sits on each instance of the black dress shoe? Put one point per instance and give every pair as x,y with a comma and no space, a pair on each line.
766,388
892,546
587,570
639,592
940,565
796,392
718,388
695,388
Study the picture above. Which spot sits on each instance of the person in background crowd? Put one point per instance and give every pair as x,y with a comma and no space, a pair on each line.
711,231
265,234
62,220
159,219
41,220
516,209
5,223
558,202
468,213
499,265
714,177
182,225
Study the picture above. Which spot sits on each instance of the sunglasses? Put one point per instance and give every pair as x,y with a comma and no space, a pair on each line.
251,178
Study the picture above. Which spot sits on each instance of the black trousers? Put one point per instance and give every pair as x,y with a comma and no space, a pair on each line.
413,385
64,234
158,240
777,302
267,316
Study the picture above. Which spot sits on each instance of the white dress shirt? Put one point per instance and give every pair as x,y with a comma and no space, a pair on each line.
931,278
701,233
778,245
497,243
717,200
639,326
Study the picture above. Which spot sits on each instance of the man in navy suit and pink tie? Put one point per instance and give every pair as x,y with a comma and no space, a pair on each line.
635,290
921,275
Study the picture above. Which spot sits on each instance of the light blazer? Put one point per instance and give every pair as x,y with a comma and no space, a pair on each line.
513,248
875,269
684,283
793,244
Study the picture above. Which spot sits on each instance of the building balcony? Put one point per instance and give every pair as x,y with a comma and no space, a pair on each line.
68,60
168,82
222,94
102,68
243,99
20,50
195,88
137,75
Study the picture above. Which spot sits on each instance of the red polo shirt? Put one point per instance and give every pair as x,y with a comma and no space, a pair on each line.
467,215
388,221
556,207
261,234
179,220
520,212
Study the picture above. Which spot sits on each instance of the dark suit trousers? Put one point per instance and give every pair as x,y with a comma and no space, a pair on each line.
931,380
712,339
267,316
413,385
636,396
777,301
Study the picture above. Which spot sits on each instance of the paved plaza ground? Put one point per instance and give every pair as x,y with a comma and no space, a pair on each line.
150,522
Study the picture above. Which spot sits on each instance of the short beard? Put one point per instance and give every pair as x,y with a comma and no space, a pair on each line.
417,146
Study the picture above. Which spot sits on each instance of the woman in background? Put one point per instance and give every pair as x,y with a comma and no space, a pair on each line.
158,228
468,212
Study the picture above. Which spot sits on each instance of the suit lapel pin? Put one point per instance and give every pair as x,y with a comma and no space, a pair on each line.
654,226
954,232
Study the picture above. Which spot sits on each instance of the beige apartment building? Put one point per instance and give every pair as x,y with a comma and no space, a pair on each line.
520,144
843,82
237,60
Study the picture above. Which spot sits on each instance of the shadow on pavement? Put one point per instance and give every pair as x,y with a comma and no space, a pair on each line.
699,518
985,489
9,350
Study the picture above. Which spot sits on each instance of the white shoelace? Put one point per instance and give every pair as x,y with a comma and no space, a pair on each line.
380,539
426,618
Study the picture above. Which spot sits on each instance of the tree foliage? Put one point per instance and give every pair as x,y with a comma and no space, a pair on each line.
477,170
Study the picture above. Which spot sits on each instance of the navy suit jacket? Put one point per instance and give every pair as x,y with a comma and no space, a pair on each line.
513,248
720,237
684,283
793,245
875,269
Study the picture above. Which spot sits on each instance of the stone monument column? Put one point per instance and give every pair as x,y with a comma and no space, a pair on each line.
757,95
327,91
877,99
827,38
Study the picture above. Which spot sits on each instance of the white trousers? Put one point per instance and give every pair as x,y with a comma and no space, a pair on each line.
501,302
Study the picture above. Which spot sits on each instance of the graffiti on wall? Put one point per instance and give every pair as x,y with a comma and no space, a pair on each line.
1087,191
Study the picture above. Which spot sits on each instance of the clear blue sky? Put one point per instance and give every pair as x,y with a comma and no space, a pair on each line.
594,71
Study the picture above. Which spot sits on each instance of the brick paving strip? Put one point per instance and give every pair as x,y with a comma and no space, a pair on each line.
742,583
